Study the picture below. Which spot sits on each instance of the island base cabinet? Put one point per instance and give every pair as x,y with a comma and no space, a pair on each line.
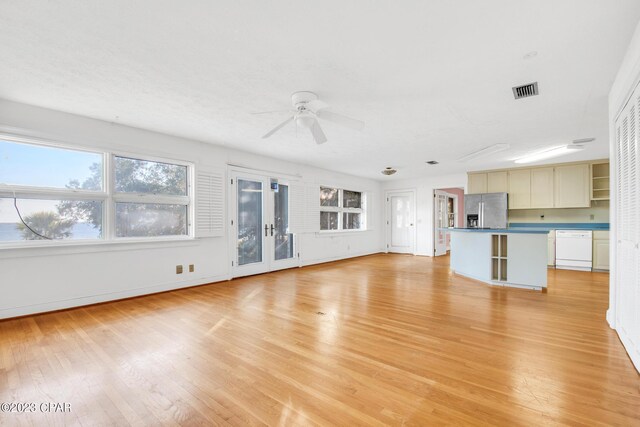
527,259
507,259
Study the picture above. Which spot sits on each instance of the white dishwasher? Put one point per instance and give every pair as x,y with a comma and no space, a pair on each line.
574,249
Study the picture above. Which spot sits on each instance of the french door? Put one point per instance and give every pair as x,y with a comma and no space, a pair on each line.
440,221
261,238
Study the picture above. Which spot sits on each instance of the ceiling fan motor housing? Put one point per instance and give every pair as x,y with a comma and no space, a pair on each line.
299,99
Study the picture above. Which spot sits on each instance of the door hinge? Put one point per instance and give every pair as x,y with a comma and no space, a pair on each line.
298,254
231,263
387,246
232,182
231,222
387,199
434,251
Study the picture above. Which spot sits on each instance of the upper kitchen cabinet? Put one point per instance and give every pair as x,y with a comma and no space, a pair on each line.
519,188
542,190
477,183
572,186
600,181
497,182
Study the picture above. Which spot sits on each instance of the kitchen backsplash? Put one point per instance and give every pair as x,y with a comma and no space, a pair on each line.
600,214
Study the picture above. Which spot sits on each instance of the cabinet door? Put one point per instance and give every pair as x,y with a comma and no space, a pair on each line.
542,188
572,186
497,182
520,189
477,183
601,255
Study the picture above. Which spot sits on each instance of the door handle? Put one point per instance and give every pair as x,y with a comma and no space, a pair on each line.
266,230
272,230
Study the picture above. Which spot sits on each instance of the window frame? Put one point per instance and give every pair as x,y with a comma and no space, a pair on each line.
341,210
107,196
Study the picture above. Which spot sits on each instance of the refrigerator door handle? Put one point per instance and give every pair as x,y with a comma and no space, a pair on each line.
481,215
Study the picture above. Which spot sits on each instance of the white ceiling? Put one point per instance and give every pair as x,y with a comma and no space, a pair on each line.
432,79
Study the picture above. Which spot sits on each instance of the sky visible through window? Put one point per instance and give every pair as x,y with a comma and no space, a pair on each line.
32,165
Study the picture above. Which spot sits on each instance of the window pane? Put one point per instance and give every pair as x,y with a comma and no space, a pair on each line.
328,220
55,219
328,196
38,166
352,199
249,221
351,221
150,220
142,176
283,240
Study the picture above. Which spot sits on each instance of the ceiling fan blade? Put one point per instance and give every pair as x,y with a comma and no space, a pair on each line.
277,128
340,119
317,133
271,112
316,105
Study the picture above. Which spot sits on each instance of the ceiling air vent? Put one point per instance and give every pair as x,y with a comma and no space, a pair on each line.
525,91
432,162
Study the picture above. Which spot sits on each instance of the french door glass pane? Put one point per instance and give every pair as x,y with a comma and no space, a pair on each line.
249,222
283,240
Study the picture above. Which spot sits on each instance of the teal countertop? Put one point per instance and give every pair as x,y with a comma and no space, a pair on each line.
536,228
521,230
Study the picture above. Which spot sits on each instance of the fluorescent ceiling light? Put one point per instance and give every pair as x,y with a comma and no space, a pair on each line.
492,149
547,154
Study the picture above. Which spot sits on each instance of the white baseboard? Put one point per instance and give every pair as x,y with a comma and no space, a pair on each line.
611,319
105,297
305,263
634,353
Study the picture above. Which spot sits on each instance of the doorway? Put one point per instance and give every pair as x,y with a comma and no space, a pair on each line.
448,209
400,221
260,235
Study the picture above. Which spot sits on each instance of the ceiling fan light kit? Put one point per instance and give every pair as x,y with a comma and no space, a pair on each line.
307,110
389,171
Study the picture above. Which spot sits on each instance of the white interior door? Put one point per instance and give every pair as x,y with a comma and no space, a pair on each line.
260,233
400,222
440,220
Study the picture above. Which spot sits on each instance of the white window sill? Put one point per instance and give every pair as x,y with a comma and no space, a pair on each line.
329,233
39,248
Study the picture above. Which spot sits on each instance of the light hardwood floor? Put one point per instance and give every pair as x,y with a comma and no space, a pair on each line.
384,339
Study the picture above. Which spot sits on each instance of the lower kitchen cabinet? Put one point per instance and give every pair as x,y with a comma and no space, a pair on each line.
601,250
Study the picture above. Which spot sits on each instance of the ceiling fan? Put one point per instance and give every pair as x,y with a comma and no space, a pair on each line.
307,110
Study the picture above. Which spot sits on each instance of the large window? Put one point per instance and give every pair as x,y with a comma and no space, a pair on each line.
341,209
51,193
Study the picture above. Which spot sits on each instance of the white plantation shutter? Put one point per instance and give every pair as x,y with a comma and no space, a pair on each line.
297,206
370,210
209,200
627,203
312,208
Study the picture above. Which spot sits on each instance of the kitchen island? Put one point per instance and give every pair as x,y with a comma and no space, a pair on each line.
515,257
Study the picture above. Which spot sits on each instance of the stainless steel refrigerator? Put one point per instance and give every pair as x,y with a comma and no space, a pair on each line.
486,210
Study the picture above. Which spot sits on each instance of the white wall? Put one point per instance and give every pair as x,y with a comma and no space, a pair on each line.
424,204
41,279
625,82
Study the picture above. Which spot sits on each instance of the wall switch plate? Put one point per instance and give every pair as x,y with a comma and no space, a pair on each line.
192,268
178,269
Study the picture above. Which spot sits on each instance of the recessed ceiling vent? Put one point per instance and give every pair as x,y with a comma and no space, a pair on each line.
525,91
432,162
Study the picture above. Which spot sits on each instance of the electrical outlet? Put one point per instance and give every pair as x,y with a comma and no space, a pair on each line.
178,269
192,268
592,217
